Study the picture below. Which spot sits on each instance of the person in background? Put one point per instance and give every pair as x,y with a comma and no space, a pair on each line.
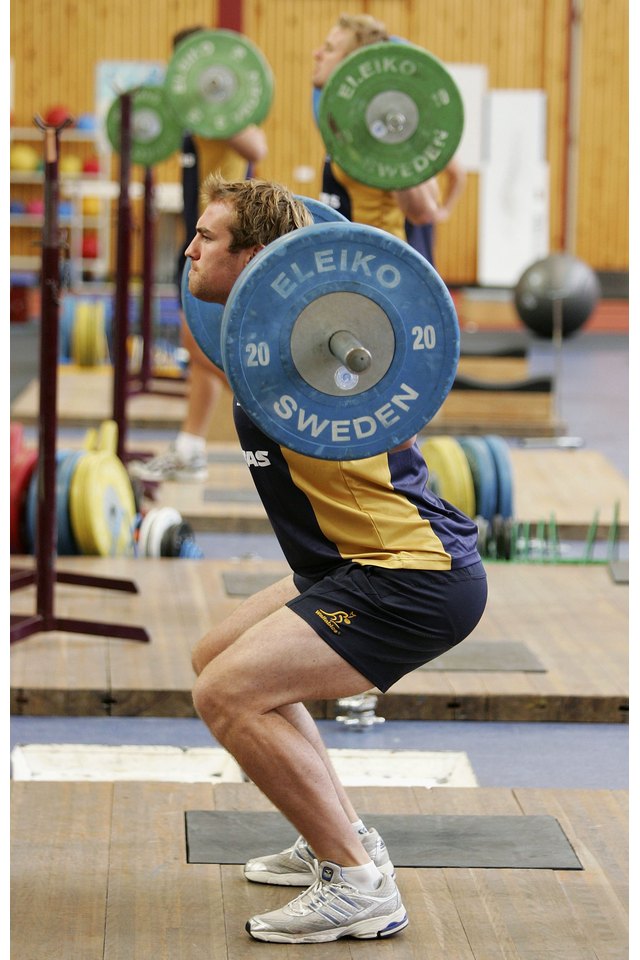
422,238
408,214
185,460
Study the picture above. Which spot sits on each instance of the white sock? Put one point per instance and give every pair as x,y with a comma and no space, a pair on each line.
359,827
188,444
365,877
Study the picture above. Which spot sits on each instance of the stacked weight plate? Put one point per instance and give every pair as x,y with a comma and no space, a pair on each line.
85,329
163,533
94,500
22,464
474,473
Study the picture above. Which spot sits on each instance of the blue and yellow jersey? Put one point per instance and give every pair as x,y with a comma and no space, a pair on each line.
374,511
360,203
219,156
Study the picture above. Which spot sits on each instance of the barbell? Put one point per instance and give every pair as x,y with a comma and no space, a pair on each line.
216,83
391,115
338,340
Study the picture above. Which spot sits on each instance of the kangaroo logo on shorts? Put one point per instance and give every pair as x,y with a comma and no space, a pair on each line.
333,620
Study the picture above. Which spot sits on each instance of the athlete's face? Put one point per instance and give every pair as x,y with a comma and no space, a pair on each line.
337,45
214,269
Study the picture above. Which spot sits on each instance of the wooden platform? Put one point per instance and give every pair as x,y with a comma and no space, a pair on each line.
573,619
568,484
85,395
99,872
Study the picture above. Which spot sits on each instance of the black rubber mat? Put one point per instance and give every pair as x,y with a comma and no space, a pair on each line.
478,655
518,842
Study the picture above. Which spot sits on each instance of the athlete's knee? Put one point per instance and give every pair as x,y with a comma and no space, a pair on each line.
206,650
219,701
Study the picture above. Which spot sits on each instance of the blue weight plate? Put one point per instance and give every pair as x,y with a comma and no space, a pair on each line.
66,321
321,212
67,545
306,286
502,457
65,541
203,319
484,473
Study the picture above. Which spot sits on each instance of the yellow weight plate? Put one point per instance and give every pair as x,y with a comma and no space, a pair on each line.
446,458
90,439
135,347
102,506
99,341
79,333
108,437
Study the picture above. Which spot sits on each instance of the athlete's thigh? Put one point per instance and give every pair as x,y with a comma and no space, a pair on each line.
251,611
279,661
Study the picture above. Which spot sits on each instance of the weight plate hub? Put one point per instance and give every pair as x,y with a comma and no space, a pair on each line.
155,130
334,278
218,82
391,115
205,319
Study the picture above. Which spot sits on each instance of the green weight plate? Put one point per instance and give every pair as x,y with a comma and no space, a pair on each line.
391,115
156,132
218,82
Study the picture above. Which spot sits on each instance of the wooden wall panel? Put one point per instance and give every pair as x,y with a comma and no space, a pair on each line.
602,234
524,44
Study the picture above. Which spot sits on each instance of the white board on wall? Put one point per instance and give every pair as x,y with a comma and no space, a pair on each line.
513,216
472,80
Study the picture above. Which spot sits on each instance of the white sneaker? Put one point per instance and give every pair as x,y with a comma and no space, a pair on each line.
170,466
294,867
330,909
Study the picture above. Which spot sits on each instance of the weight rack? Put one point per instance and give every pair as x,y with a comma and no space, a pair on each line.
45,575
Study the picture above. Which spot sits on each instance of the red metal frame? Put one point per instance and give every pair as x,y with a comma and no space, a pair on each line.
44,576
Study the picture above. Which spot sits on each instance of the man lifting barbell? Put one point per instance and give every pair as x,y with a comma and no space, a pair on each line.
234,156
409,213
385,575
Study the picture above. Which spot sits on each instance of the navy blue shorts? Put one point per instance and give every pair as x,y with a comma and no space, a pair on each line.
386,623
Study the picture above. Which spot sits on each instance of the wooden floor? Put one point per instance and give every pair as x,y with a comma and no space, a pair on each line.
99,872
572,619
85,396
570,485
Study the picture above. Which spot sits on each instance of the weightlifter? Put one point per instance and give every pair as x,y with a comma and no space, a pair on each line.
385,577
409,214
185,460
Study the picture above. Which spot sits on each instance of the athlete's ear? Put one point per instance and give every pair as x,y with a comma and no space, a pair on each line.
251,251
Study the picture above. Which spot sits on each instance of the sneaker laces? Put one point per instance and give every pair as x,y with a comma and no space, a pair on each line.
319,895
